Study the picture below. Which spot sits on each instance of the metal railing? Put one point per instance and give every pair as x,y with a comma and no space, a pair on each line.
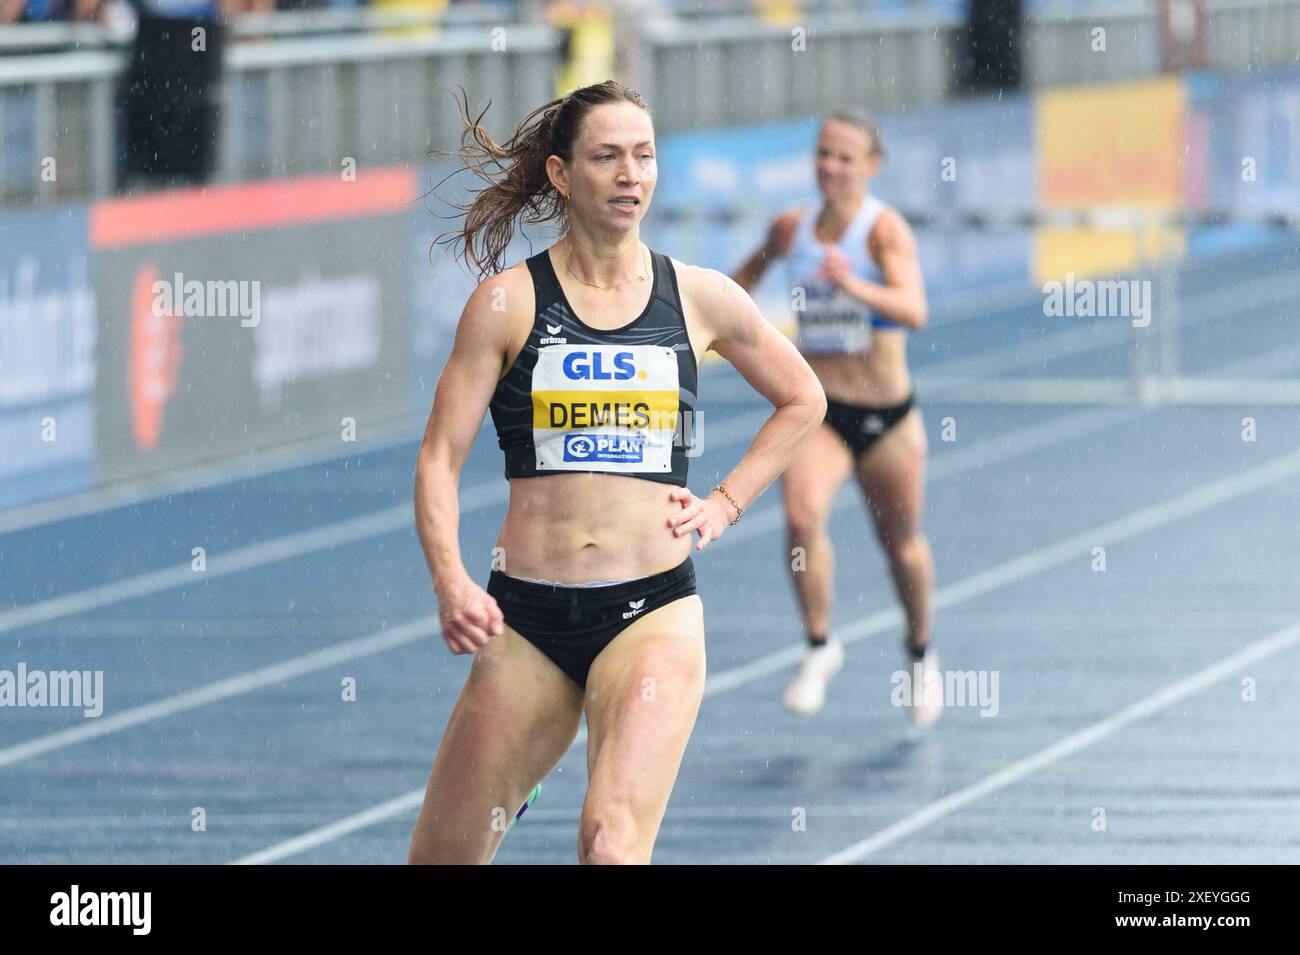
55,37
304,106
754,72
289,106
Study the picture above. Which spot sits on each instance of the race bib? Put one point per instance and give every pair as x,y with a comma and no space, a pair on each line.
834,324
605,407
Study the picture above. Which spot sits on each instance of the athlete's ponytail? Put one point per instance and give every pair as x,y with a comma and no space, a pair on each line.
515,172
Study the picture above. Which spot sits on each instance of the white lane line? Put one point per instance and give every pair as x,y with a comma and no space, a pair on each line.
770,518
934,379
1015,294
1009,446
389,520
158,820
740,429
947,374
397,806
387,434
377,642
219,565
1008,572
984,301
1093,733
409,802
1015,444
251,465
1021,442
381,436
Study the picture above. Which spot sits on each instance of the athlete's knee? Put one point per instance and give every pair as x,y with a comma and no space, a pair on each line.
608,836
905,547
803,525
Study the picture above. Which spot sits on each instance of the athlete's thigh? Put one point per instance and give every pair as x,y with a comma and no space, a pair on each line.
809,484
643,695
515,718
892,477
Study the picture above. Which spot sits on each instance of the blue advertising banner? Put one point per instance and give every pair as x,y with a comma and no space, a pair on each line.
1242,151
47,356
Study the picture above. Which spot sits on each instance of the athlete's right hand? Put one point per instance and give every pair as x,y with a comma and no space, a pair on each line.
469,616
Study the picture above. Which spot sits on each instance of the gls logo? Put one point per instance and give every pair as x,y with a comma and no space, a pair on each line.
587,366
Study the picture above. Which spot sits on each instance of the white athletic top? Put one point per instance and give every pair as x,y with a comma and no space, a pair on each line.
832,322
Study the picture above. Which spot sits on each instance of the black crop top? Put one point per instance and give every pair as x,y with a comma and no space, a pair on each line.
579,399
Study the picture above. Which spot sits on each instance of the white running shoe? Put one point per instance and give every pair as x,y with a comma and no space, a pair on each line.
806,693
927,702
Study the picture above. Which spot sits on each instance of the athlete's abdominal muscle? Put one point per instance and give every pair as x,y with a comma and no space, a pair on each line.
876,377
576,528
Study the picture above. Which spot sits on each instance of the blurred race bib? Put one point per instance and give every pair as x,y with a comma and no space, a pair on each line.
834,324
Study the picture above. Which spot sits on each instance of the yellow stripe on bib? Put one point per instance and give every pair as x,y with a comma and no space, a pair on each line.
615,408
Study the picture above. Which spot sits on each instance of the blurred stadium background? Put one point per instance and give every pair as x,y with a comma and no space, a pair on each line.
1028,142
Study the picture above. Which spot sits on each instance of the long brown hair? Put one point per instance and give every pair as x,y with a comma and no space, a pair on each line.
515,171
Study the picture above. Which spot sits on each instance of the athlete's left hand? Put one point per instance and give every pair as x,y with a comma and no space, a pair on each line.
706,515
836,267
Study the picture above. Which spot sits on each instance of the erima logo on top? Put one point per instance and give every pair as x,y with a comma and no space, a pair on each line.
589,366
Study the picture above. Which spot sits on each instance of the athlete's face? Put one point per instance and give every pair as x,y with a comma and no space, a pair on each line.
613,157
844,160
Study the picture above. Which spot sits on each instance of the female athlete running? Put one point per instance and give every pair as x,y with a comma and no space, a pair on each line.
586,354
856,288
